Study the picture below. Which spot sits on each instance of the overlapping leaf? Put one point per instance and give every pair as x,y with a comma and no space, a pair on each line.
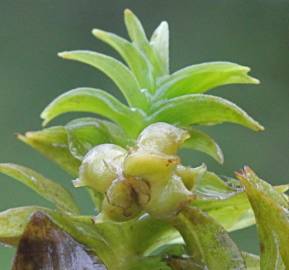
271,212
114,69
226,201
48,189
138,64
160,43
203,77
139,38
201,109
94,101
53,144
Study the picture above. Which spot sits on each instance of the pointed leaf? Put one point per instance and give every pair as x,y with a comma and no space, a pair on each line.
271,212
94,101
202,142
139,38
118,72
207,242
135,59
201,109
53,144
86,133
203,77
48,189
160,43
44,245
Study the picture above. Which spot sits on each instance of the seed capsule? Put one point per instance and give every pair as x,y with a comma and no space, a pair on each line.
101,166
162,137
120,203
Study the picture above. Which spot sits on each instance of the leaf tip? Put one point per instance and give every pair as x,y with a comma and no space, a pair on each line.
64,55
128,12
220,156
97,32
254,80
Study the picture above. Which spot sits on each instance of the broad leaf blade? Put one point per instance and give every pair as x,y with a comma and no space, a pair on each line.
139,38
53,144
114,69
201,109
94,101
271,212
203,77
160,43
135,59
46,188
44,245
202,142
208,243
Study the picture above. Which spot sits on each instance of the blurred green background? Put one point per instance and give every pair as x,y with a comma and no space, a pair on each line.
249,32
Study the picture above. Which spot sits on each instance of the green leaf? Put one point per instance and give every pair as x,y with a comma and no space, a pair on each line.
271,212
151,263
252,261
201,109
53,144
118,72
226,201
202,142
139,38
86,133
207,242
165,263
135,59
48,189
160,43
94,101
203,77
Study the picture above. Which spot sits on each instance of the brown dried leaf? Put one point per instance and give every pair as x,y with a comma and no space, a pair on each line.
45,246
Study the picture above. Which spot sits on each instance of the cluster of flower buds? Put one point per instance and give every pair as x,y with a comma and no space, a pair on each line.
148,178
